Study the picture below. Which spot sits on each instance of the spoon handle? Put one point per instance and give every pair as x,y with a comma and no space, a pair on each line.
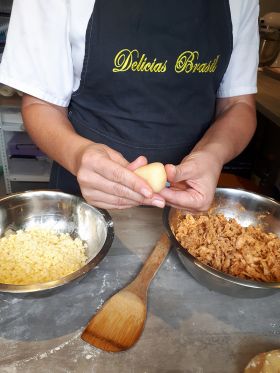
141,283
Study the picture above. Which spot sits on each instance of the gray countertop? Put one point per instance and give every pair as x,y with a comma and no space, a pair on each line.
188,328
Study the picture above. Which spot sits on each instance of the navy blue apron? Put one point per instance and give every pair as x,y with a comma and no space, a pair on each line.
151,72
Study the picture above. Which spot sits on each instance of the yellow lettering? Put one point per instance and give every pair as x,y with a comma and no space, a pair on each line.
206,70
139,63
164,68
185,61
142,65
195,67
157,67
147,67
129,60
124,59
134,66
152,65
202,67
215,64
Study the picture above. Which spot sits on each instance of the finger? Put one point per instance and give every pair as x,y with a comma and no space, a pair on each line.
187,199
170,170
100,197
181,185
182,172
118,158
94,182
120,175
108,206
138,162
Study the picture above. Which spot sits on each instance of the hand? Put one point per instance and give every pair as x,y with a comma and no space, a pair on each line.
193,182
107,179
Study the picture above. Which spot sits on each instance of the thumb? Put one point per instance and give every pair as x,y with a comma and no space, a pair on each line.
170,170
179,173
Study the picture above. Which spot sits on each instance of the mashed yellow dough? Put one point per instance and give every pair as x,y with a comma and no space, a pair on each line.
38,255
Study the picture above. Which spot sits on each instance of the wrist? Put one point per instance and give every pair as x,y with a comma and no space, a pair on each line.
216,153
78,153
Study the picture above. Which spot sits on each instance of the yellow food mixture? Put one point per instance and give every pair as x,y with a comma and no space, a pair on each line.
39,255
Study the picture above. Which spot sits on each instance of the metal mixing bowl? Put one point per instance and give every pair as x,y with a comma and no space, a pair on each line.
247,208
63,213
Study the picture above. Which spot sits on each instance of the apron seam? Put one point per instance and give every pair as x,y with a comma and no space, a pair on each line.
86,58
230,31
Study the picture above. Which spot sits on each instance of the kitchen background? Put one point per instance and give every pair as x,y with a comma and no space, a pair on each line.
26,167
267,6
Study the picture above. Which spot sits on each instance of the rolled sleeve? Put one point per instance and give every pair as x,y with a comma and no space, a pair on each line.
37,57
241,75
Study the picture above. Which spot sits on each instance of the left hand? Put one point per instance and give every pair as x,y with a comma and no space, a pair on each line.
193,182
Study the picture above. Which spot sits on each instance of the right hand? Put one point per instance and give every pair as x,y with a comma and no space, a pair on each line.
107,179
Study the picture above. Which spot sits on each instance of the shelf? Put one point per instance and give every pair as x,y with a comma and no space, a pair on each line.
19,173
12,120
12,115
33,170
13,127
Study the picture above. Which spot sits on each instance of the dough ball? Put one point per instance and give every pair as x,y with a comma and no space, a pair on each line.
154,174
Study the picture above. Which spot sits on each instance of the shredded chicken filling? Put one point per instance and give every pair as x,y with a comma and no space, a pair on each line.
245,252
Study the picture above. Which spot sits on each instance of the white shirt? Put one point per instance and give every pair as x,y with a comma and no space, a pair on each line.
46,45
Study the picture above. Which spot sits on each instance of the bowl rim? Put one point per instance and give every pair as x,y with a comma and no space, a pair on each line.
210,270
43,286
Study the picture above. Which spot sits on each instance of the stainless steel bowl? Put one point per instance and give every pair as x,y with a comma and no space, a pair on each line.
247,208
64,213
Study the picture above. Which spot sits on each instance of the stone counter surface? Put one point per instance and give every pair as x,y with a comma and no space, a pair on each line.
188,328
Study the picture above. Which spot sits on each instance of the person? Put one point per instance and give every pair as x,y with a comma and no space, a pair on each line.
111,85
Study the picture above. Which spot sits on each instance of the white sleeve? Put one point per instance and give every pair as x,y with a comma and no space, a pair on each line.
37,56
241,75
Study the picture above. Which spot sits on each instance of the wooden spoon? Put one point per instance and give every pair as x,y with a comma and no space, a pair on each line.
119,323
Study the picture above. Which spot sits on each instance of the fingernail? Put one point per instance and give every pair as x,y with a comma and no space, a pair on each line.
158,203
146,193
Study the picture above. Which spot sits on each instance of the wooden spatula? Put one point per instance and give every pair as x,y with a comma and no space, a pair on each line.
119,323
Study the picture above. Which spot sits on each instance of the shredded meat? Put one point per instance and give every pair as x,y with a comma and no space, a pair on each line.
225,245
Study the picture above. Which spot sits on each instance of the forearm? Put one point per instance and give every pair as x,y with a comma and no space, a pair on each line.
50,129
194,180
232,130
